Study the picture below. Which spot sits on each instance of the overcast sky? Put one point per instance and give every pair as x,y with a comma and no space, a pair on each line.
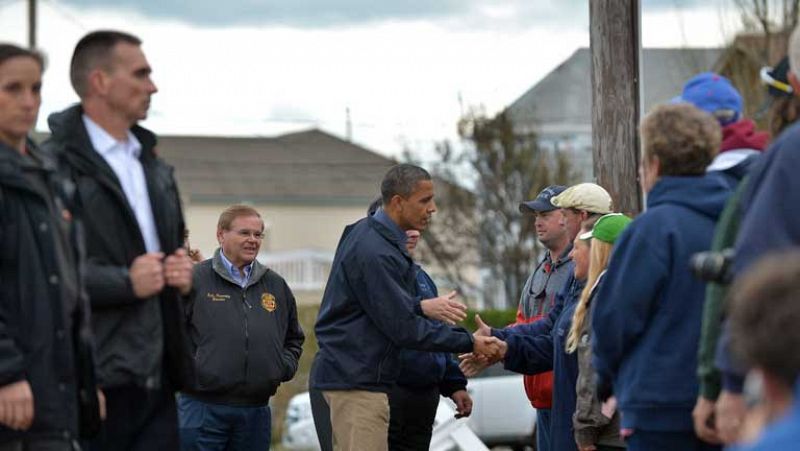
405,69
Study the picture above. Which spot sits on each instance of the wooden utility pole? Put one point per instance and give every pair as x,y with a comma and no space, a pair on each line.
615,48
32,24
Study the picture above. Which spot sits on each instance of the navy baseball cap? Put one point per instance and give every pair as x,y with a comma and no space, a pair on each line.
777,79
542,201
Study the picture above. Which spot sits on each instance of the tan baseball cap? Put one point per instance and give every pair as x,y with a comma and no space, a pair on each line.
584,196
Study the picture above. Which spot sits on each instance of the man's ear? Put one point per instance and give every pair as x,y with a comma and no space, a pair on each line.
219,236
794,82
97,81
396,203
653,164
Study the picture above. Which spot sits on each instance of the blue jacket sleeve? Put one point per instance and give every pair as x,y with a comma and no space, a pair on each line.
389,306
731,372
625,301
541,326
527,354
453,379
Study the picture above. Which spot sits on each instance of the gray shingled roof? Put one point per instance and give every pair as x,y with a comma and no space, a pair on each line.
564,96
309,167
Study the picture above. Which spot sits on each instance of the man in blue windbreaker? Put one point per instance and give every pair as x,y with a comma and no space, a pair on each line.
648,312
367,316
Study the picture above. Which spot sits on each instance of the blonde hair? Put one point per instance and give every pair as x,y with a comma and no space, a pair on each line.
599,254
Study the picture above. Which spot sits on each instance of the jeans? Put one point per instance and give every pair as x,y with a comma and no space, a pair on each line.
543,430
667,441
216,427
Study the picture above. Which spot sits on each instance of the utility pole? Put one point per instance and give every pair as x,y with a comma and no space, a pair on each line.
615,47
32,24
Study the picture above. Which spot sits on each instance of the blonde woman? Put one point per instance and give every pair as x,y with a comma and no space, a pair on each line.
595,428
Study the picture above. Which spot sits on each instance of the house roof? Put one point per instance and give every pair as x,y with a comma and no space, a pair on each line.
564,96
309,167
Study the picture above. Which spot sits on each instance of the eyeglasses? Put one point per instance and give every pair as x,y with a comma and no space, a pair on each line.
244,233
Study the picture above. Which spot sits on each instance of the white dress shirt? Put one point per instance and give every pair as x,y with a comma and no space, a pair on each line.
123,157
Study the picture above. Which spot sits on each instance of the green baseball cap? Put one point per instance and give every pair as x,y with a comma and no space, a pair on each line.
608,227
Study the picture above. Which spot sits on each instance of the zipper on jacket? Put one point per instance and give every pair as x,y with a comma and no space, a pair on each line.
245,307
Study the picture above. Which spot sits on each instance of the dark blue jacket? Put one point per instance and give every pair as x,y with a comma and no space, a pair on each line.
530,354
648,311
769,223
544,325
420,369
367,316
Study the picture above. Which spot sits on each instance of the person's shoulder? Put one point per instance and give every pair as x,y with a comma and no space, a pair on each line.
271,277
785,144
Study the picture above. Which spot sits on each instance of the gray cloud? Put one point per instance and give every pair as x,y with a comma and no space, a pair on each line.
337,13
296,13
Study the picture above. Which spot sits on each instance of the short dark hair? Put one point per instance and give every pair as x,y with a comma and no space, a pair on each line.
765,314
684,138
401,180
233,212
92,51
8,51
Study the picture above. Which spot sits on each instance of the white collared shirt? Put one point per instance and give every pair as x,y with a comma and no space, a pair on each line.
123,157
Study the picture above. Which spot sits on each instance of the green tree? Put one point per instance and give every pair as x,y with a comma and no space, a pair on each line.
482,224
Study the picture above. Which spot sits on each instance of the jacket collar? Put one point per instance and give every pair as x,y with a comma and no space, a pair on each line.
67,126
219,267
390,232
11,162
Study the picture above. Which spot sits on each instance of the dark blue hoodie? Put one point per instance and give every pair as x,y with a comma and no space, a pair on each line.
531,354
366,314
649,309
420,369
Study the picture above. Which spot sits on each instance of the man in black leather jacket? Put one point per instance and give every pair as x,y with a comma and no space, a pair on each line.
136,268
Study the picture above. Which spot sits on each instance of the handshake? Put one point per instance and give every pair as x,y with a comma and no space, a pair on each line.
486,350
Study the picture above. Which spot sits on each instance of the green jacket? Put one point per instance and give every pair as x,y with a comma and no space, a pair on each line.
716,294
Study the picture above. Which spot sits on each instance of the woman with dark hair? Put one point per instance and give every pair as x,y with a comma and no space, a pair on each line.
47,390
20,94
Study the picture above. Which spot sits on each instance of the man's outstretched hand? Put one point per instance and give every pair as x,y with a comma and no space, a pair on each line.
446,309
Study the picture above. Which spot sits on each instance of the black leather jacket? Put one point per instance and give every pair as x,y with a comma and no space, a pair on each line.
138,340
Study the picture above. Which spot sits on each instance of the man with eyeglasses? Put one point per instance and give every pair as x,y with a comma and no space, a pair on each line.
245,339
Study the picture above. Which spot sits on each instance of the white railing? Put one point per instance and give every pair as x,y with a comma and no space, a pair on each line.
303,269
